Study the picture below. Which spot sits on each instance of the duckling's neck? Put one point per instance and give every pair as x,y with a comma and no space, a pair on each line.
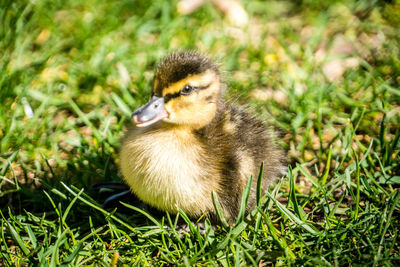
219,116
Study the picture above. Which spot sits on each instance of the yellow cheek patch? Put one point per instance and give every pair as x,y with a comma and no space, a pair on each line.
169,107
197,109
180,110
195,80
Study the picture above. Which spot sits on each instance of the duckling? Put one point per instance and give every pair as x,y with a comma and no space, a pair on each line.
188,142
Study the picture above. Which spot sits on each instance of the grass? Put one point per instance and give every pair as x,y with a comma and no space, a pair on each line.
326,74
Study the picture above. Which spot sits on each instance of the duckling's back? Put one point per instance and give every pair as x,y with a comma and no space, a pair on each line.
240,143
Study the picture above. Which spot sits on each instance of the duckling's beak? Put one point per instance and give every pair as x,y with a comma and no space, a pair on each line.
150,113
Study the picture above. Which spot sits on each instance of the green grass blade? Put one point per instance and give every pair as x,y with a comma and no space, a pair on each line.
281,242
72,256
18,239
293,217
324,177
259,183
218,210
151,218
245,198
7,163
32,236
100,209
191,227
121,105
292,196
84,118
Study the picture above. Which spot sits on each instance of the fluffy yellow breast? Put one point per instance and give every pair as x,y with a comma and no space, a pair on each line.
166,168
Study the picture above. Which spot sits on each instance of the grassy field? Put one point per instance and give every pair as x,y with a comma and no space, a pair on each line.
325,74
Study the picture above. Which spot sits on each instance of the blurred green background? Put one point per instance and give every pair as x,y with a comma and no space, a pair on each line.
100,55
326,74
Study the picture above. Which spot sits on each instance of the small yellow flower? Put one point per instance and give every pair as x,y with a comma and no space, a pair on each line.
271,59
43,36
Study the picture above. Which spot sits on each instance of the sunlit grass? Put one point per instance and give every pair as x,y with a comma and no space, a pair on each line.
325,75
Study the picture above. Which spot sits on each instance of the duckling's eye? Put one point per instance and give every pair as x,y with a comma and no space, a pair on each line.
187,90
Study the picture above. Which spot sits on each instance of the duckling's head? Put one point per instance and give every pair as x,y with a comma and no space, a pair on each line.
186,91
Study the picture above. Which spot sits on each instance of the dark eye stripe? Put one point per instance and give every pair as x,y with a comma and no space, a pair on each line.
202,87
168,97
